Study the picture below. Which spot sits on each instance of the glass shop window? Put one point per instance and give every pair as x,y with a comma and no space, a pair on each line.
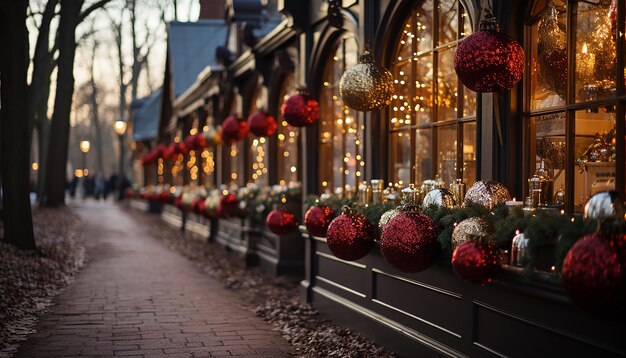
432,116
288,139
572,116
341,130
259,146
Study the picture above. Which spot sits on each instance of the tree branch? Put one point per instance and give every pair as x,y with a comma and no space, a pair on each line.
95,6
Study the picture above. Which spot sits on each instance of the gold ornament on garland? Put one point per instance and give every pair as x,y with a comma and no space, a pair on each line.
366,86
470,229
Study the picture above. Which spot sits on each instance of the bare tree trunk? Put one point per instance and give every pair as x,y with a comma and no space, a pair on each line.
60,125
18,222
94,110
39,91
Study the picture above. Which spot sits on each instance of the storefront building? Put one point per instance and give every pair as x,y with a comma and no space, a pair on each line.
562,125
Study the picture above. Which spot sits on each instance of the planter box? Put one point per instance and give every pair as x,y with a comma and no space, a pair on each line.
153,207
433,313
172,215
280,255
237,235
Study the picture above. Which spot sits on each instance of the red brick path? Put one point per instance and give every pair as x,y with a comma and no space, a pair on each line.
137,298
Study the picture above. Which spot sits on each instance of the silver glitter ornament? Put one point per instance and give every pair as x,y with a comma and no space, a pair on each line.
387,216
366,86
439,197
487,193
470,229
604,205
519,249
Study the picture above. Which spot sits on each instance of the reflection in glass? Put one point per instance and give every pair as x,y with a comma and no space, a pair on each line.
287,143
421,99
341,133
595,51
447,153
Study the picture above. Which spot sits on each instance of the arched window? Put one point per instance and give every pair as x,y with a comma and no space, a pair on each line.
288,138
432,116
572,115
341,130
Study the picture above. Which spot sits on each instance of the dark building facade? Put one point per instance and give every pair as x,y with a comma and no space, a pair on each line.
571,97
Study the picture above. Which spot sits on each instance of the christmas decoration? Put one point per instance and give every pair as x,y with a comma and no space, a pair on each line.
592,274
300,110
519,249
281,222
476,261
227,206
388,216
317,219
487,193
350,236
470,229
195,142
439,197
604,205
262,124
234,129
408,242
552,55
366,86
489,60
212,136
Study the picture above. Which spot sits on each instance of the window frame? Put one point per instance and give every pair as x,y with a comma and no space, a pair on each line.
434,123
572,105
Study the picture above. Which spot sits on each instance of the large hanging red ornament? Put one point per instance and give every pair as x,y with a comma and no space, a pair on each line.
300,110
262,124
593,274
281,222
489,60
227,206
409,243
317,219
476,261
234,129
350,236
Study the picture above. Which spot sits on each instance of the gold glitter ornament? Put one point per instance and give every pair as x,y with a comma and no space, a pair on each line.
469,229
366,86
487,193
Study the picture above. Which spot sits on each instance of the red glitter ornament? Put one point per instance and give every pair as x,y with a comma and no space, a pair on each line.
262,124
200,207
281,222
317,219
593,272
300,110
227,206
234,129
350,236
476,261
408,242
489,60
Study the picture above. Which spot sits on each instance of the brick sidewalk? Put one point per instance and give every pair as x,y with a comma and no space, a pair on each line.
137,298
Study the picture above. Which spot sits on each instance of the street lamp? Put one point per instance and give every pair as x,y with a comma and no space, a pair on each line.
120,128
84,147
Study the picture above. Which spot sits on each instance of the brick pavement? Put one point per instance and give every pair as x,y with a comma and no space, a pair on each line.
136,298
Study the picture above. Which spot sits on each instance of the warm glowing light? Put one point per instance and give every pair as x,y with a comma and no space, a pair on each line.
293,169
84,146
120,127
233,176
324,183
35,166
78,173
193,131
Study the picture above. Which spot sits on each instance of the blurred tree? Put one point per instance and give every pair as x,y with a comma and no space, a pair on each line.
15,143
55,180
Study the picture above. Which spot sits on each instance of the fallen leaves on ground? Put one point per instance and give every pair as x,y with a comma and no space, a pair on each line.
30,280
276,300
